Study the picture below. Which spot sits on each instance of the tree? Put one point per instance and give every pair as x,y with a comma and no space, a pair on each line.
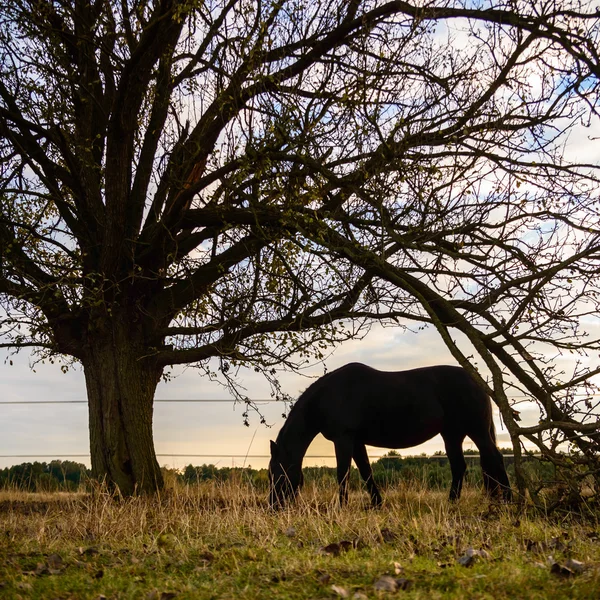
128,130
229,179
481,227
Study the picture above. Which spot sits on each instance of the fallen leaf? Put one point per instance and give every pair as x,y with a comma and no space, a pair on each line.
471,555
575,565
340,591
25,586
290,532
80,563
207,556
41,569
537,547
387,535
359,544
386,584
557,544
156,595
560,570
324,578
403,583
166,540
467,560
336,548
55,564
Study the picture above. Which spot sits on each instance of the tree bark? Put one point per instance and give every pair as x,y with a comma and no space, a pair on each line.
121,384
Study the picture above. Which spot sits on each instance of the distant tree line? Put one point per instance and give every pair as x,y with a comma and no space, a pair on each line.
57,475
431,472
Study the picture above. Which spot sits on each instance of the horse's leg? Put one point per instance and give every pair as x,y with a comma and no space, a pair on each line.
361,459
458,465
343,455
495,478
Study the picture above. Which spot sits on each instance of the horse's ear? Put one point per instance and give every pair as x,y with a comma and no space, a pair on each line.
274,449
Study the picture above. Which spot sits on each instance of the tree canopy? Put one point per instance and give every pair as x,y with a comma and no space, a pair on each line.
229,178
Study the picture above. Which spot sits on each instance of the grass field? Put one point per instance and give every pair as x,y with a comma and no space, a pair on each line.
221,541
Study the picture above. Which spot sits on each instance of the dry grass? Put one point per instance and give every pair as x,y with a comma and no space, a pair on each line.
221,541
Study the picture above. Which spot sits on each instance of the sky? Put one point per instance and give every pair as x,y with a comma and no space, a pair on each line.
213,430
216,430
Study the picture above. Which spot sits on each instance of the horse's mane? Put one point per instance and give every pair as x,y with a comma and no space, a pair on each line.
297,411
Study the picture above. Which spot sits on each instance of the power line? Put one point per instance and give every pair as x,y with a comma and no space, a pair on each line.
165,455
197,400
165,400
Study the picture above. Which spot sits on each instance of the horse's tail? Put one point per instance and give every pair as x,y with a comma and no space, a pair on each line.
495,477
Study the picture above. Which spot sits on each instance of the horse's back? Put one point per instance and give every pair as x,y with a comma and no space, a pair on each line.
398,408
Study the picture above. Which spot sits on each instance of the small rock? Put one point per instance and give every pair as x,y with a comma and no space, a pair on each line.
290,532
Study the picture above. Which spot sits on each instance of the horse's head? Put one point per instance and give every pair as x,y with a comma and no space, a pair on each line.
285,477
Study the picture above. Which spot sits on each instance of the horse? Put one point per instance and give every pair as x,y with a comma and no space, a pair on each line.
357,405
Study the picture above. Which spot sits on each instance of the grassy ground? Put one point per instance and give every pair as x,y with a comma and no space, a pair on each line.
216,541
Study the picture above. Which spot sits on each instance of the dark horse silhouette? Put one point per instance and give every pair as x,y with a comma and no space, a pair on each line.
357,405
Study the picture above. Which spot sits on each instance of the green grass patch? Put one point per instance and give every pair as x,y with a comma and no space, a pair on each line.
221,541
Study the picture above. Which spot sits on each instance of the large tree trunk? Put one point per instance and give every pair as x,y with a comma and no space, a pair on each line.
120,384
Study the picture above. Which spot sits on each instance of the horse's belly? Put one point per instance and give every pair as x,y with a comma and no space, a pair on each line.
401,436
